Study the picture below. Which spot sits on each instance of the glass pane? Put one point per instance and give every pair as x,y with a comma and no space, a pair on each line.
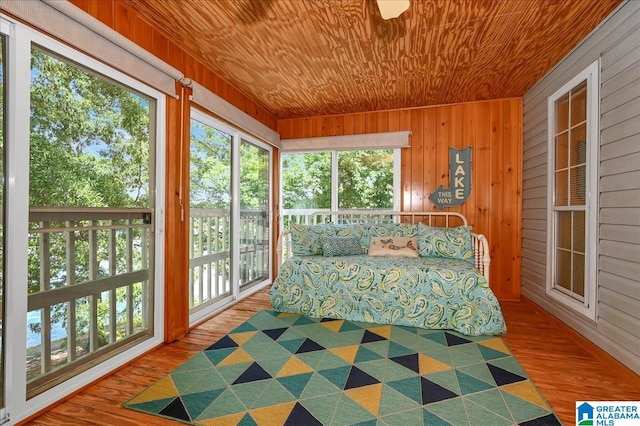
579,104
578,274
562,114
562,150
578,154
579,236
563,269
578,185
96,134
306,181
570,186
79,326
365,179
254,229
563,229
89,147
210,210
562,185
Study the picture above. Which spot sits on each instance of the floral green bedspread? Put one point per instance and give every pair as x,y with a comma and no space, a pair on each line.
425,292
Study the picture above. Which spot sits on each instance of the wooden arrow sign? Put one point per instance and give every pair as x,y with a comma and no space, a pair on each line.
459,180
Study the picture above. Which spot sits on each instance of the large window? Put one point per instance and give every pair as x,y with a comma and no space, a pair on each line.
339,180
88,278
573,138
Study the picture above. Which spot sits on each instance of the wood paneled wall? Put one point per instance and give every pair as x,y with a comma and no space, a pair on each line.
494,131
492,128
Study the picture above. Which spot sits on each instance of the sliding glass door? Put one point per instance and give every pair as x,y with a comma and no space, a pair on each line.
229,223
210,211
90,247
82,150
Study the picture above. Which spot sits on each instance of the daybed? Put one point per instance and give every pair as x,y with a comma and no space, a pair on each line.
351,270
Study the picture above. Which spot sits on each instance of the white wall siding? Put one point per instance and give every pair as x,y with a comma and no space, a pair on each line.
617,327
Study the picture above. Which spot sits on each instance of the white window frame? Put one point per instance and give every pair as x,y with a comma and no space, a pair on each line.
587,306
20,39
242,136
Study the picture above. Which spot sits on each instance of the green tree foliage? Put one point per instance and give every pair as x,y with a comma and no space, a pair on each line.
89,147
365,180
210,170
210,167
89,139
306,181
254,177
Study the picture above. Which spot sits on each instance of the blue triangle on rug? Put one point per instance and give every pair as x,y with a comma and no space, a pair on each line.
502,376
176,410
309,346
225,342
274,333
254,373
301,416
358,378
433,392
371,337
410,361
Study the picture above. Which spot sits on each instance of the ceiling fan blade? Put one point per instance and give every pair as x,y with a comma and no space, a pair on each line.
392,8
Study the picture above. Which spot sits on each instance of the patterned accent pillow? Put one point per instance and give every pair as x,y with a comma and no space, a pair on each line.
394,230
389,230
393,247
306,239
340,246
452,243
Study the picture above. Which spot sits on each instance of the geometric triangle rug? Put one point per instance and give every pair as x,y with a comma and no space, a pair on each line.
287,369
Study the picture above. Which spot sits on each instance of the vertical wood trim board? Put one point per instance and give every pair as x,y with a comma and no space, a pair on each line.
176,238
494,131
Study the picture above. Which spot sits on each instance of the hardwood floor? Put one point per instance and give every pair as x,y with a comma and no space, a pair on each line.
564,366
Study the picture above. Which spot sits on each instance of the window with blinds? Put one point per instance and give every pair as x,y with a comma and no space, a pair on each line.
570,177
572,136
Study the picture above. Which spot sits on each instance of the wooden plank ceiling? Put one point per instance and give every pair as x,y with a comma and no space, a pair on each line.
306,58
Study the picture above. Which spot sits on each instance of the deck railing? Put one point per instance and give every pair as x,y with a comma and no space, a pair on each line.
254,247
90,273
316,216
210,253
89,287
209,256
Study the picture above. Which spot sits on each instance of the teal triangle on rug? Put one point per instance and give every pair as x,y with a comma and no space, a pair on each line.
287,369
